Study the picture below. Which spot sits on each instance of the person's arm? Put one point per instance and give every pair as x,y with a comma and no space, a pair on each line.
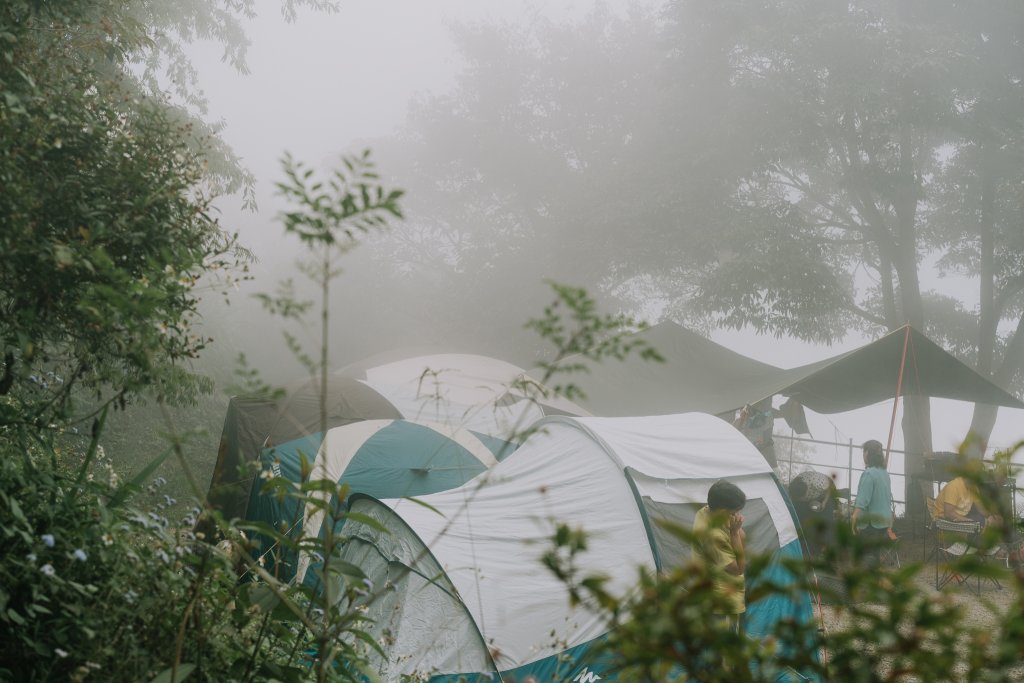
949,512
737,538
865,492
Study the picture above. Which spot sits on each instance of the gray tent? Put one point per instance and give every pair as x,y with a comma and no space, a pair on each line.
700,375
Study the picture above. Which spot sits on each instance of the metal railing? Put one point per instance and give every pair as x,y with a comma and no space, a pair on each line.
845,466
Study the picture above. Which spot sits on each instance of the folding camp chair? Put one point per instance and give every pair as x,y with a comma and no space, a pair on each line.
956,540
951,545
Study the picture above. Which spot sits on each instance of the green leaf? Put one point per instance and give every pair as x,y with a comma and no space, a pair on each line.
16,511
63,256
343,568
174,676
126,490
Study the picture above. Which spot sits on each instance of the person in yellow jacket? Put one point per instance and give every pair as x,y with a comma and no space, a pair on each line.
958,501
719,524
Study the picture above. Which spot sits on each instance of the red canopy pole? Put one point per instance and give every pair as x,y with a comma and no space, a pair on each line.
899,392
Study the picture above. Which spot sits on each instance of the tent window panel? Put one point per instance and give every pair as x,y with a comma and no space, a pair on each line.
426,629
762,537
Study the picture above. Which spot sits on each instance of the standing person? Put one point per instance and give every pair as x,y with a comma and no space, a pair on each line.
719,524
873,513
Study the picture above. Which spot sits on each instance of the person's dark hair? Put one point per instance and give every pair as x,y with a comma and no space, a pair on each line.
874,454
989,487
724,495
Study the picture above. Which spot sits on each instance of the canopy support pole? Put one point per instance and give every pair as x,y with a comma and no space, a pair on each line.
899,392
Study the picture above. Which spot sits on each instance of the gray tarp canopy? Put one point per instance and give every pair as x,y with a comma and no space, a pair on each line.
700,375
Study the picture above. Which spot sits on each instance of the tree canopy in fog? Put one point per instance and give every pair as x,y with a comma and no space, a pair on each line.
108,174
805,168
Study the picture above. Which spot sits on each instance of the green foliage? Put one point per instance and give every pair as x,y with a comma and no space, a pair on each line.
106,231
572,326
93,590
326,610
338,211
327,607
105,224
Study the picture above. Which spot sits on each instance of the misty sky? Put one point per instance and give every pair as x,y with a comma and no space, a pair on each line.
322,85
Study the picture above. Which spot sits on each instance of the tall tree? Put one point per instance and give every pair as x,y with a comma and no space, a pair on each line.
850,115
105,221
978,213
789,165
887,131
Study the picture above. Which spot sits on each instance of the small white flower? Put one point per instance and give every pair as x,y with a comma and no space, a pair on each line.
48,570
80,555
48,540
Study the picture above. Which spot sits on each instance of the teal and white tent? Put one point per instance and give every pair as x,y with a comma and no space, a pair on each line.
466,593
376,457
405,427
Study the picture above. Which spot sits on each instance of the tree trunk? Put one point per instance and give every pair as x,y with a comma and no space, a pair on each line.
917,442
984,418
917,425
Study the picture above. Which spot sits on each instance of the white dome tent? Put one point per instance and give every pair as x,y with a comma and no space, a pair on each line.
466,591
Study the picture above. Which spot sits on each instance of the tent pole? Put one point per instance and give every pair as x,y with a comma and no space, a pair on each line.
849,467
899,392
792,441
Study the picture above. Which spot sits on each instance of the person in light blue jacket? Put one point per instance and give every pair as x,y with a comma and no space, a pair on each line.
873,512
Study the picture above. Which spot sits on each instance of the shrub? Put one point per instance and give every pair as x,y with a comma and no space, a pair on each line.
93,590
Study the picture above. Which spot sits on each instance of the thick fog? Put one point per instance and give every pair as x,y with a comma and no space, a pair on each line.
535,141
329,84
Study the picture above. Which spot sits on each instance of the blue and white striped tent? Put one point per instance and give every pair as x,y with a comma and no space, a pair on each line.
406,427
468,598
376,457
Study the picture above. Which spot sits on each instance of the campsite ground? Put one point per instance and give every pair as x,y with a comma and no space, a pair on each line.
983,611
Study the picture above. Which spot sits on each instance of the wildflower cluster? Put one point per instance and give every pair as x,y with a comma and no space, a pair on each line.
94,592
